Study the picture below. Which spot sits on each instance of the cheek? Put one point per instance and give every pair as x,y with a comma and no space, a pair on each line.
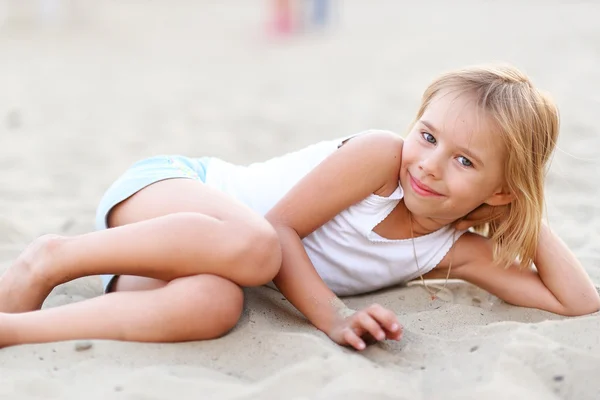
469,188
409,151
458,184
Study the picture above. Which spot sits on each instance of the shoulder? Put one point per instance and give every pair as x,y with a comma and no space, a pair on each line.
379,141
375,149
361,166
471,248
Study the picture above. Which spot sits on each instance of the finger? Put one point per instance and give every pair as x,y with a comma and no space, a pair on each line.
369,324
397,335
464,224
385,318
353,339
481,214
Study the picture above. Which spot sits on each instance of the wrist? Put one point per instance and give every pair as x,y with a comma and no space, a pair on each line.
338,312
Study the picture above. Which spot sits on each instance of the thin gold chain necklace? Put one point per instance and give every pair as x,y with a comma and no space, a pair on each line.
412,237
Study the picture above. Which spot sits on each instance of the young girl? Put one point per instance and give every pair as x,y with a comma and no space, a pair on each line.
341,217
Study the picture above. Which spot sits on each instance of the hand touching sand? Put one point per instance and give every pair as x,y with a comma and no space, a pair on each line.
372,323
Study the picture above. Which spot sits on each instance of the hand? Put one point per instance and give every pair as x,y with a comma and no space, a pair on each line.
374,322
483,213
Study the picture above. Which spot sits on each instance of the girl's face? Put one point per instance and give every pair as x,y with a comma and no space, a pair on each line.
452,161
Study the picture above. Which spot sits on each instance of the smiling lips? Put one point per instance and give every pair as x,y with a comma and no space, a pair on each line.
422,189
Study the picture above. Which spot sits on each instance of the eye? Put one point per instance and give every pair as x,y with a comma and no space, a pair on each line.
464,161
428,137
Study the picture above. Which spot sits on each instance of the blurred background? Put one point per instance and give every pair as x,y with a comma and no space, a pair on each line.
88,87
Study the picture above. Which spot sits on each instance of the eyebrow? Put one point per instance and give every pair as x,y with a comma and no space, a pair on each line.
461,149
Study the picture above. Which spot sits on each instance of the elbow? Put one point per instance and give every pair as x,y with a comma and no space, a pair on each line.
589,307
281,227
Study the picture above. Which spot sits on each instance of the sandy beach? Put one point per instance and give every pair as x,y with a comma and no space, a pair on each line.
88,88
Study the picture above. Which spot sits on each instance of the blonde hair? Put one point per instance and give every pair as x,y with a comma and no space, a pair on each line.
528,122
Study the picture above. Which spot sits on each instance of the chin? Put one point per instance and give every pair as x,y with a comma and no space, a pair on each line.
418,209
415,207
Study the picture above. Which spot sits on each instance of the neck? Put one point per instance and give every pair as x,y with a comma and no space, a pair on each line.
424,225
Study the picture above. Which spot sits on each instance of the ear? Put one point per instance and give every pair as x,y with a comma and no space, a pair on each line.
500,198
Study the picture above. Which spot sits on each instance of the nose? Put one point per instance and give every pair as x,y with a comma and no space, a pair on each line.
430,164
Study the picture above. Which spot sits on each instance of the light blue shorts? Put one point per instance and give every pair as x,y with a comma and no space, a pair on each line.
144,173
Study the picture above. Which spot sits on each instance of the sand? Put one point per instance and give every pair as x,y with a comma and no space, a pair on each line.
90,88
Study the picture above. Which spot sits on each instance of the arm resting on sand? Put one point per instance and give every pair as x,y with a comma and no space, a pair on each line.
304,288
366,164
564,276
558,283
299,282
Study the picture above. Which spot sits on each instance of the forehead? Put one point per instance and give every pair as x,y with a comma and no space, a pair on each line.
457,117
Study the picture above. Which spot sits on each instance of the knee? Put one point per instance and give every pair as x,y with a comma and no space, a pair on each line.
258,254
228,300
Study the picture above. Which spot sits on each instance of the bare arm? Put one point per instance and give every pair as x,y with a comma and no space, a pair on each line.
558,283
300,283
364,165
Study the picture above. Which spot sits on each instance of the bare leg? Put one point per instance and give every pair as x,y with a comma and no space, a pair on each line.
171,229
191,308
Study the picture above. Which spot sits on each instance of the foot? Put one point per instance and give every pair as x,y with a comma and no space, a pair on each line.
26,284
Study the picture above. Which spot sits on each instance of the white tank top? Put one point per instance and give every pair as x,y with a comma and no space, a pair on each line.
347,254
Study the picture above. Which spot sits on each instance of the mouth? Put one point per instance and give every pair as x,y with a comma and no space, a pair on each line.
422,189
